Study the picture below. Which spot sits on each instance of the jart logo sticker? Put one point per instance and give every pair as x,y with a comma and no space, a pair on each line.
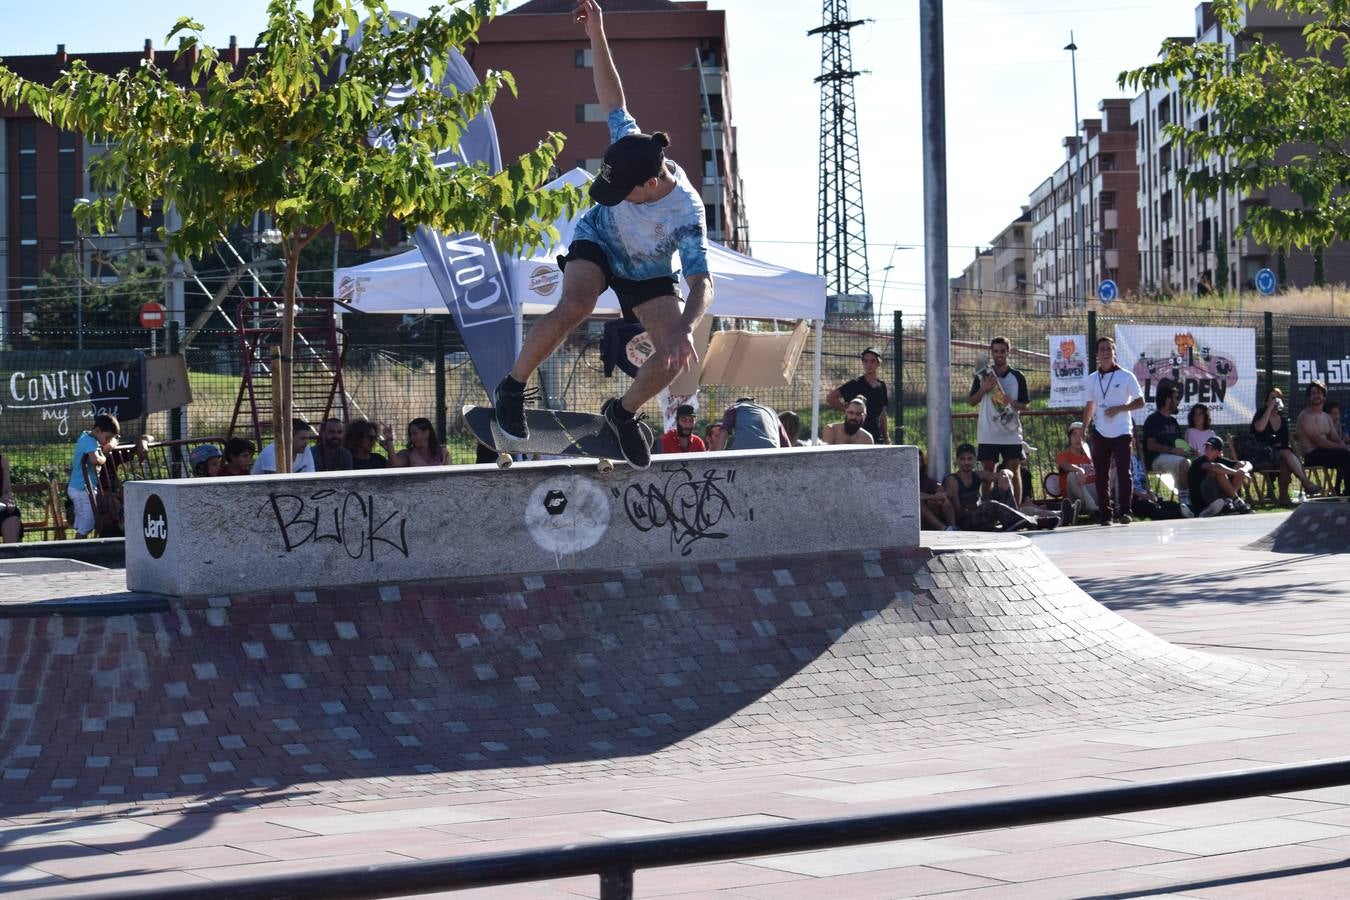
155,526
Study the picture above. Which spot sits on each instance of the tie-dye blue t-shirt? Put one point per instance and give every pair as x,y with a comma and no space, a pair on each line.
641,239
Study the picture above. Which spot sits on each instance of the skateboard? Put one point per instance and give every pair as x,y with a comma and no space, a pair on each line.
552,431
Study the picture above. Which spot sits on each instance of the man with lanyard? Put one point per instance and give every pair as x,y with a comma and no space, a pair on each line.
1000,391
872,389
648,210
1112,393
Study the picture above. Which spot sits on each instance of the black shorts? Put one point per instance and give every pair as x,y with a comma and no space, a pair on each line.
7,512
631,293
992,452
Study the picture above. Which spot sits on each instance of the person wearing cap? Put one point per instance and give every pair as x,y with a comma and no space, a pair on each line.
1216,482
206,461
1000,393
647,211
301,432
851,430
681,438
872,389
1077,476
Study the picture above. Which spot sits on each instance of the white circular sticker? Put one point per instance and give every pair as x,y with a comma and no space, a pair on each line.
567,515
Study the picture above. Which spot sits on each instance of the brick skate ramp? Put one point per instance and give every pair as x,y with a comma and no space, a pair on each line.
1315,526
465,684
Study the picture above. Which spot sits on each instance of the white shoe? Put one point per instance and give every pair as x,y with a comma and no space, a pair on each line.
1187,512
1214,509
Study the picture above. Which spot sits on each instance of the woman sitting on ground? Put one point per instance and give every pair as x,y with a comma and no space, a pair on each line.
1268,447
1199,429
424,448
360,440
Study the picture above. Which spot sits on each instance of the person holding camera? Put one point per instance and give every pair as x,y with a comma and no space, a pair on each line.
1269,447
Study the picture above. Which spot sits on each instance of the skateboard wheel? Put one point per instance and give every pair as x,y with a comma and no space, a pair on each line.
504,460
605,466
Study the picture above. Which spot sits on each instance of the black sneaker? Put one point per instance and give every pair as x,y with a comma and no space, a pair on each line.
634,436
509,406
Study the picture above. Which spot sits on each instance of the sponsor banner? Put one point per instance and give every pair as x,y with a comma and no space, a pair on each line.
1068,367
1319,353
52,395
1213,366
472,277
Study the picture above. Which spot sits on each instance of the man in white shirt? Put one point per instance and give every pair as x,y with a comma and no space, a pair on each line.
266,463
1112,393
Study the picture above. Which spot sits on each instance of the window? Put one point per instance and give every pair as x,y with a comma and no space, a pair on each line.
148,226
589,164
1108,162
28,230
589,112
1107,199
582,59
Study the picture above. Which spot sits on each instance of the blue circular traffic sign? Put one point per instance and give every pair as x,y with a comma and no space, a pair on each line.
1265,281
1107,291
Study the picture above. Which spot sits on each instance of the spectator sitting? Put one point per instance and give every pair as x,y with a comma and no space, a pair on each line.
1333,409
714,435
936,512
301,432
748,425
873,391
1322,440
91,452
1077,477
206,461
851,430
11,520
1198,428
1216,482
681,438
792,426
1269,448
993,513
329,454
238,457
360,441
424,447
1165,448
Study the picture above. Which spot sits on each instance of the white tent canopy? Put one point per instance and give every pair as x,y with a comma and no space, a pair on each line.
744,287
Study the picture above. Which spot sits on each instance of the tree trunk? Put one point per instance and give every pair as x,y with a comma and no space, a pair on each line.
285,435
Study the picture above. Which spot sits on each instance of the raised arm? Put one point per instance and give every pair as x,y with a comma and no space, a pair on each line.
608,88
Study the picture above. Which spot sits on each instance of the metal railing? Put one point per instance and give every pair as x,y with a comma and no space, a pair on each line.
616,861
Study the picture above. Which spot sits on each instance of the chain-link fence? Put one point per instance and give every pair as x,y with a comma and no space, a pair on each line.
395,369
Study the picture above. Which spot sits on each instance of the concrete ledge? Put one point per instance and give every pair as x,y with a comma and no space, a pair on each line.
1315,526
194,537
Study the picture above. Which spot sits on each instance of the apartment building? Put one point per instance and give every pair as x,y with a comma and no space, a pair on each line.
1185,242
1083,215
673,60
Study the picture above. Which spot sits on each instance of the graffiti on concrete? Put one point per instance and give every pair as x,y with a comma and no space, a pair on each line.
346,518
692,505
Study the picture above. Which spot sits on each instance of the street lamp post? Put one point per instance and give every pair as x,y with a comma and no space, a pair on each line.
1075,182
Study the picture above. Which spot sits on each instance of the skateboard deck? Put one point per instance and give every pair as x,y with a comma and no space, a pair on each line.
553,432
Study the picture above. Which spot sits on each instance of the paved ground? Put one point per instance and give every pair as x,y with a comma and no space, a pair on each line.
1189,582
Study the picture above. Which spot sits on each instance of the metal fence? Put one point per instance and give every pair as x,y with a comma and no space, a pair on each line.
397,369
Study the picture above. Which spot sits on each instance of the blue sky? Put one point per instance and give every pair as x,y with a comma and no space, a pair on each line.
1009,102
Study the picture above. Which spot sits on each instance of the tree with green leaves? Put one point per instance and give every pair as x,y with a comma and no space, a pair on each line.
1277,119
109,303
287,133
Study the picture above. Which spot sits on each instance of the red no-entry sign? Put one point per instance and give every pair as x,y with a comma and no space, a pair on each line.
152,315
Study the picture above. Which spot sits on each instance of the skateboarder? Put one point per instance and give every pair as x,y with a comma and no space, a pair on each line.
647,211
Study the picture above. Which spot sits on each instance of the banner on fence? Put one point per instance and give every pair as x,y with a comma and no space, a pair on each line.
1320,353
49,396
1213,366
1068,366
